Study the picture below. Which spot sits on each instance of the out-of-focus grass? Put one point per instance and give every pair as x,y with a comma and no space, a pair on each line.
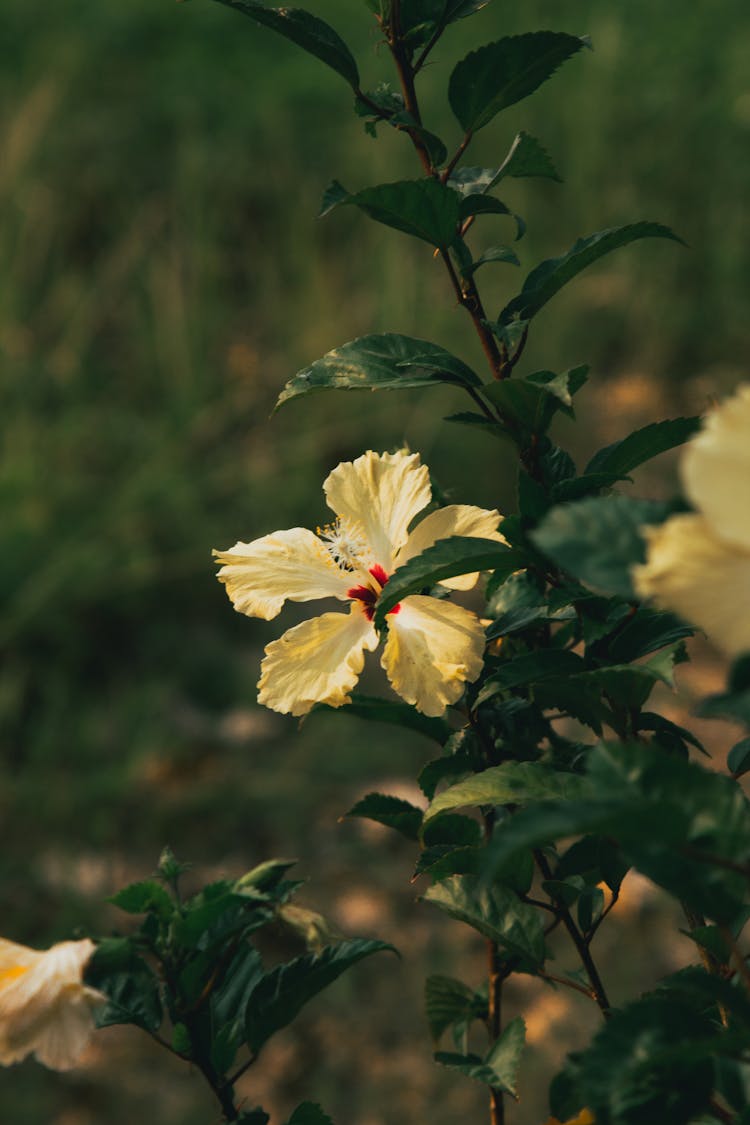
161,275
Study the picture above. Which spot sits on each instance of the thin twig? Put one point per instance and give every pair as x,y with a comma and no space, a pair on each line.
579,942
719,1112
568,984
445,174
241,1070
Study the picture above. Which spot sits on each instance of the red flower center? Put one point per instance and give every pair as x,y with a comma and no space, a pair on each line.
368,596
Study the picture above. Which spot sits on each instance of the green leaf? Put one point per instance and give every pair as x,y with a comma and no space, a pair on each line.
399,714
229,999
479,422
393,812
738,759
306,30
646,631
495,912
445,559
309,1113
144,897
460,9
129,984
255,1116
502,73
551,275
509,783
708,988
683,826
527,157
669,735
634,1073
481,205
499,1067
454,830
449,1001
623,456
598,540
380,362
426,209
493,254
529,668
281,993
441,769
532,402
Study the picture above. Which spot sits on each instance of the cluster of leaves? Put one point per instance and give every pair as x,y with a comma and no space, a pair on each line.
191,977
569,647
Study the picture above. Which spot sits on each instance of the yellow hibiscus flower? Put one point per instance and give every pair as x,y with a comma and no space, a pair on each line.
432,647
45,1007
699,564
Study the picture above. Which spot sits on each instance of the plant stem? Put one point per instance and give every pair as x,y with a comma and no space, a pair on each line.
494,1024
467,293
597,987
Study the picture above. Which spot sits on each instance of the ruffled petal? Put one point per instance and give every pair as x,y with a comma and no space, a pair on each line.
382,492
44,1006
703,578
433,648
318,661
284,566
715,469
455,519
65,1033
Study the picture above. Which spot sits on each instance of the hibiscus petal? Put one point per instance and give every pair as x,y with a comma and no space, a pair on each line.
703,578
433,648
284,566
715,469
46,1008
318,661
455,519
66,1032
382,492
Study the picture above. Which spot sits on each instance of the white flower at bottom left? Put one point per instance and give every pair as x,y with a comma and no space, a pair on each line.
45,1008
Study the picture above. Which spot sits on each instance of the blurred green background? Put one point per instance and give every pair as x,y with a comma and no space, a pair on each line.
162,273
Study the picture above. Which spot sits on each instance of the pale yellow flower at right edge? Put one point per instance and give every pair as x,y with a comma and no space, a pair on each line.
45,1007
698,565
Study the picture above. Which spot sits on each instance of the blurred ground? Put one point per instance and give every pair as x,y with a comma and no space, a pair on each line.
161,275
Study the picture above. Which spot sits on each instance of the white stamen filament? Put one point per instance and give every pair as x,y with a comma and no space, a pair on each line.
347,544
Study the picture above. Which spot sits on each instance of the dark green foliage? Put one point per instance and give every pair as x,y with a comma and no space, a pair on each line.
641,1068
387,362
309,1114
683,826
550,276
398,714
510,783
599,540
128,982
393,812
426,209
449,1002
502,73
499,1067
307,31
446,559
630,452
282,992
495,912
